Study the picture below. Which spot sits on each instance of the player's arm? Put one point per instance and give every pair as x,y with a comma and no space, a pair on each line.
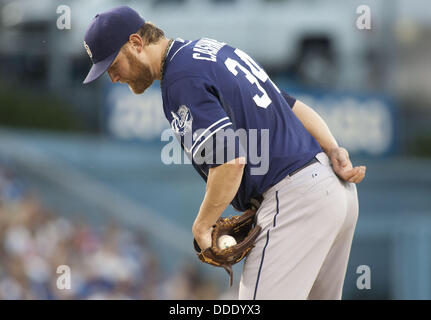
205,112
222,185
315,125
318,128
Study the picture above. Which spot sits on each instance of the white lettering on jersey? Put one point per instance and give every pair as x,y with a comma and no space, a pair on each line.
207,49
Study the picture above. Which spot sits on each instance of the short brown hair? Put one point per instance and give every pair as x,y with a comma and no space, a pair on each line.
150,33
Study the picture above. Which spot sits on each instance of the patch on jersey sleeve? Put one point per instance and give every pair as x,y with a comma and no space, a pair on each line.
182,120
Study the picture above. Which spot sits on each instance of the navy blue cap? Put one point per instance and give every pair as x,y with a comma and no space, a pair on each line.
105,36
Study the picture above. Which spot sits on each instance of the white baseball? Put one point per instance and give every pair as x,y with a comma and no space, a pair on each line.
226,241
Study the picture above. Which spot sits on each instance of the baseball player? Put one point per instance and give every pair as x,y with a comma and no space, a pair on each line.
226,113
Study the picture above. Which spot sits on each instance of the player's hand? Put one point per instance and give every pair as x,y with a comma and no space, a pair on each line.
343,167
203,238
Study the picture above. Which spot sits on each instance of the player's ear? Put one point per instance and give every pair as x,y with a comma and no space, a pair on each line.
136,42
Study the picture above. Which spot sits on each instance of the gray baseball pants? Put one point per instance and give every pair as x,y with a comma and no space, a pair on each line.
308,221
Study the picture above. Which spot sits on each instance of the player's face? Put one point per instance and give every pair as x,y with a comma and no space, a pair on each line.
127,68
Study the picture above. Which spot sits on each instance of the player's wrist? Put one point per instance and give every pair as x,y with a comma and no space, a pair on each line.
202,236
331,148
335,151
200,229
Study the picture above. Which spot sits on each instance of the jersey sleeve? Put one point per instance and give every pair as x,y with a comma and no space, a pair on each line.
200,122
289,99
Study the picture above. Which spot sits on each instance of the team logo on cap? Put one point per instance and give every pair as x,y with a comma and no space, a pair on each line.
88,50
182,120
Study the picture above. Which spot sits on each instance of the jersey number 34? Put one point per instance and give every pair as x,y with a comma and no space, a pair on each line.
256,73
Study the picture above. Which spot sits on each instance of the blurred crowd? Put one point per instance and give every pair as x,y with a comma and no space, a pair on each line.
105,262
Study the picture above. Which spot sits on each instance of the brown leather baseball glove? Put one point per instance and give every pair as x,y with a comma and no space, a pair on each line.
245,231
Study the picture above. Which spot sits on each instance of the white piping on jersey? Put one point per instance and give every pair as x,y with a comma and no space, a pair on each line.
170,47
221,127
208,129
180,49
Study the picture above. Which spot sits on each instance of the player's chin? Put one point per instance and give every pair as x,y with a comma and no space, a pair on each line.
138,89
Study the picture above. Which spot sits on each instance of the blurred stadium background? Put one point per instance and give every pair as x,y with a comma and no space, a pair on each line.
82,183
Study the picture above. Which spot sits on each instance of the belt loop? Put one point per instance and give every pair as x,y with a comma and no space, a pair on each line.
323,158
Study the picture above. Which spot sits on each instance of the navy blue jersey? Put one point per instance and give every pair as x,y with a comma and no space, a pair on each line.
222,105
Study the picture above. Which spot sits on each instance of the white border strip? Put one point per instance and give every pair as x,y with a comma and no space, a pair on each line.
179,49
208,129
212,133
